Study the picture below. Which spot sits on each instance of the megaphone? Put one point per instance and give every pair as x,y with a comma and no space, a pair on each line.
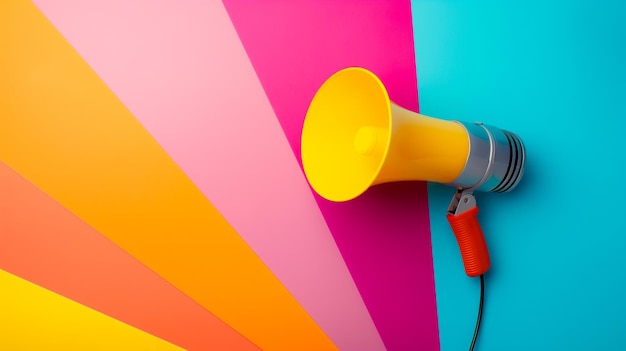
355,137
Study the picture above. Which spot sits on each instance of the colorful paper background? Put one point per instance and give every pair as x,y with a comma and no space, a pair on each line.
151,189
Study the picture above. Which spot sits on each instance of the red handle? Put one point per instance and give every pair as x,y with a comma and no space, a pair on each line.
471,241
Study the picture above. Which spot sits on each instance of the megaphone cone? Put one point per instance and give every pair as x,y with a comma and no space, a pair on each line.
355,137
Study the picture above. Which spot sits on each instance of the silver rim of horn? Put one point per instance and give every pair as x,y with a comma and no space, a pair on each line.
495,161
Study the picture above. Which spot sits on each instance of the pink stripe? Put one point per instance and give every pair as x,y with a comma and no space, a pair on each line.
181,70
384,235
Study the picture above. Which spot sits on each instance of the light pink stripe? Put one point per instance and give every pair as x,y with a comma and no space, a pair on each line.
181,70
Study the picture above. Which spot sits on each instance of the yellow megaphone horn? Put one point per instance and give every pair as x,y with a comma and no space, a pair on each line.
354,137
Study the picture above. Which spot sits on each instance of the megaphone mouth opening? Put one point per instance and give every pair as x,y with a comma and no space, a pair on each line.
346,133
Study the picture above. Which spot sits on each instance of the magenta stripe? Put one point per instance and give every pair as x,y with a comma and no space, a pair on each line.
384,235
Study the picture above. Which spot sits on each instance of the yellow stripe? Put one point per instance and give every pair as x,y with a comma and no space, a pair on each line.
34,318
66,132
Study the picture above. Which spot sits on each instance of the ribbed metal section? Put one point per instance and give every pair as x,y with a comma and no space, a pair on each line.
515,167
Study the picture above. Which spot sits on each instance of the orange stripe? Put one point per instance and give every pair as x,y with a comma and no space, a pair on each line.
44,243
65,131
34,318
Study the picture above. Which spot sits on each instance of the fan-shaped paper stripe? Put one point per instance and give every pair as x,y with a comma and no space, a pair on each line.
186,77
34,318
46,244
384,234
65,131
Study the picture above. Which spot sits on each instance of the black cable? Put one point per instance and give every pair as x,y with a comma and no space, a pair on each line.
480,311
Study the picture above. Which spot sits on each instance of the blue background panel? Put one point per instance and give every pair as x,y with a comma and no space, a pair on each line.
554,73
